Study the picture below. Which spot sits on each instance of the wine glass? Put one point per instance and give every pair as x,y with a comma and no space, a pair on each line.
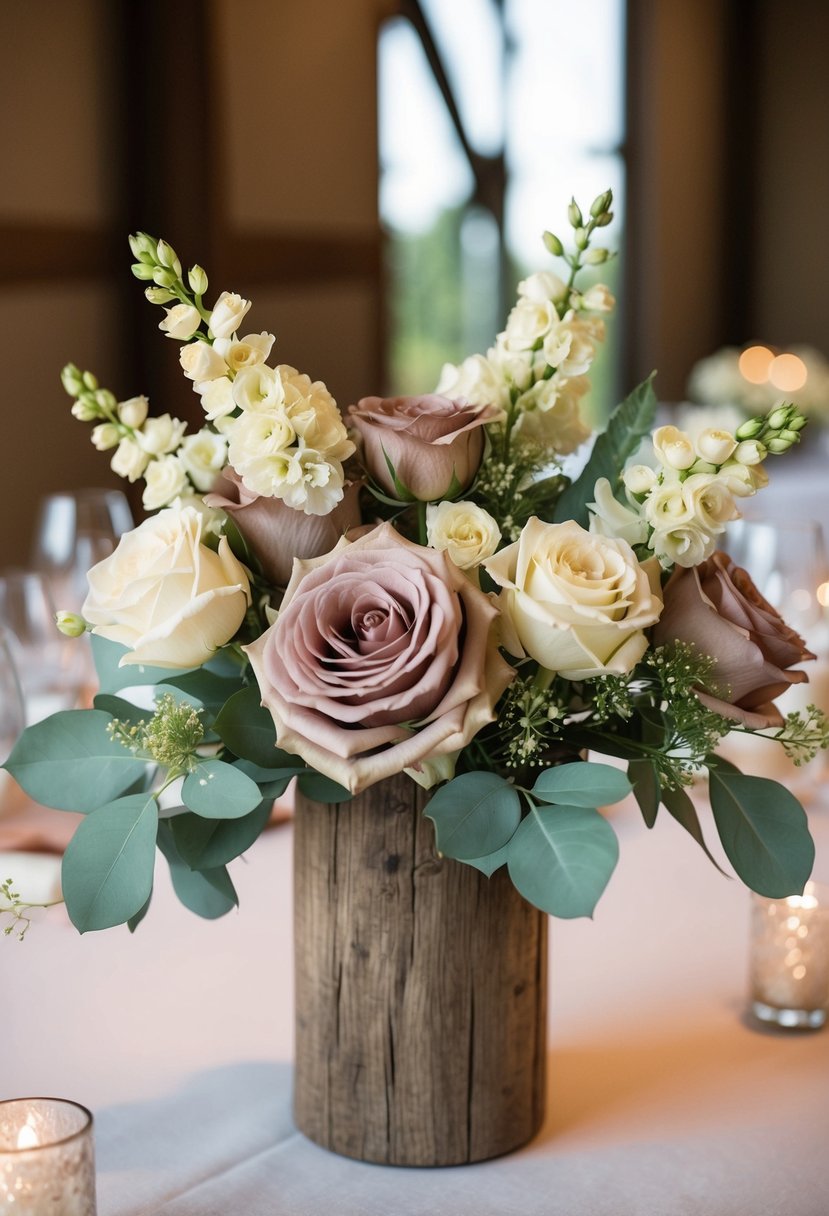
50,668
75,530
12,716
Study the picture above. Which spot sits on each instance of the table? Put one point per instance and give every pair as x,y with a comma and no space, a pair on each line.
663,1099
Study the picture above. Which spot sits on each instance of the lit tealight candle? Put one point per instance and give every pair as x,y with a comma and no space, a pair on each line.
790,959
788,373
47,1158
755,363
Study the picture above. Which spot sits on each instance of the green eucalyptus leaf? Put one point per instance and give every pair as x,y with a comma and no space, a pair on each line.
474,815
204,844
267,776
123,710
322,789
489,864
582,784
629,424
209,893
678,804
107,872
646,788
561,859
204,688
219,791
69,762
764,831
246,727
135,921
112,678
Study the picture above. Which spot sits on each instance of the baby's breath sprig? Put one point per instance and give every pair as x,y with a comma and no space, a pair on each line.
170,738
530,721
803,735
17,910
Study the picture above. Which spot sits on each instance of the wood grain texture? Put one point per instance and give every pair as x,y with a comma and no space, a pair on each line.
421,990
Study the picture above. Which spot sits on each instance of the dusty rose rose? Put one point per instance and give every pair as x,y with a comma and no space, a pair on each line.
382,657
716,607
277,533
430,441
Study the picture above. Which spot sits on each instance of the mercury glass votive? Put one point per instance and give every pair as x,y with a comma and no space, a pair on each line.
47,1158
790,959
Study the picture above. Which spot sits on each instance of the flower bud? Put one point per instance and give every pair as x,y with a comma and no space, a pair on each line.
163,277
778,445
750,429
601,204
603,220
798,422
581,238
789,436
595,257
778,418
143,270
639,478
70,624
71,380
167,257
158,295
143,246
673,447
133,412
574,214
90,381
715,446
105,400
197,279
702,466
84,409
750,451
105,436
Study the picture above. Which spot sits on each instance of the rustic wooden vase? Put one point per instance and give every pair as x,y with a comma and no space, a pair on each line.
421,990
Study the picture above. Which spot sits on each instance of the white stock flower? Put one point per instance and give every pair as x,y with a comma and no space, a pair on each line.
569,349
609,517
542,286
165,595
181,321
165,480
528,322
673,448
259,450
129,460
551,420
598,298
258,388
133,412
105,436
639,478
464,531
228,313
203,457
714,445
312,484
313,413
161,435
744,480
512,368
666,506
200,361
244,352
216,397
577,603
686,544
475,380
709,500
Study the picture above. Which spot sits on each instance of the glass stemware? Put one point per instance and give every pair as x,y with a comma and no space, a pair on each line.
49,666
74,531
12,717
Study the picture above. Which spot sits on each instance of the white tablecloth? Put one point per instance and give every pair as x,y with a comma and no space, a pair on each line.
663,1098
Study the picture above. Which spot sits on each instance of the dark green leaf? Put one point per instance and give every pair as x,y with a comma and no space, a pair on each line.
764,831
113,678
474,815
248,730
629,424
107,873
206,688
646,788
561,859
206,843
267,776
219,791
135,921
322,789
582,784
208,893
678,804
69,762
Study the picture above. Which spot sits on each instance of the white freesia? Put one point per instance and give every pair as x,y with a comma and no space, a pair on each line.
476,380
686,544
750,452
129,460
244,352
639,478
598,298
165,595
542,286
228,313
609,517
258,388
134,411
551,420
514,369
216,398
312,484
465,532
260,450
181,321
744,480
569,348
666,506
203,457
165,480
528,322
105,436
577,603
161,435
673,448
715,446
200,361
709,500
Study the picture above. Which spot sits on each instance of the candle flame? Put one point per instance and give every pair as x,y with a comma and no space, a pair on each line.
755,363
27,1136
788,373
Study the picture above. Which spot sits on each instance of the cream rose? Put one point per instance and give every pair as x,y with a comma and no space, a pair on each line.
575,602
199,361
382,658
165,595
228,313
465,532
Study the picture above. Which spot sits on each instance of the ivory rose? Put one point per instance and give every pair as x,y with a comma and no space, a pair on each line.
381,659
275,532
577,603
434,444
716,607
165,595
465,532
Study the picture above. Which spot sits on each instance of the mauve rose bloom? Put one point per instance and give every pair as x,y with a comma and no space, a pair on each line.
429,440
382,657
716,607
276,532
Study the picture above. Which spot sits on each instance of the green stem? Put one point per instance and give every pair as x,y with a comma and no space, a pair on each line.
423,535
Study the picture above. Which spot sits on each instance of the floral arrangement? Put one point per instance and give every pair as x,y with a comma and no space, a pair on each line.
418,588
